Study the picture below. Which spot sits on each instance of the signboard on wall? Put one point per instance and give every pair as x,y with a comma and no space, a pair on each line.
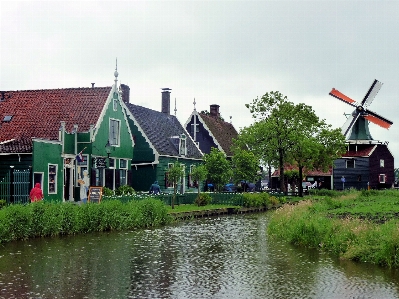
99,162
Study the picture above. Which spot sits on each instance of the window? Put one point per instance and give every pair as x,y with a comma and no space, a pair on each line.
111,163
52,178
192,183
381,178
99,176
114,134
168,184
350,163
381,162
123,171
115,101
82,166
196,128
182,145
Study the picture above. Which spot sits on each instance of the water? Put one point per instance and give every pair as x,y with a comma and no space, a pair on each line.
227,257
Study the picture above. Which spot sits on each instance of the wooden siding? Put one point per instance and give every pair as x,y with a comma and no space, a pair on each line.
205,140
381,152
351,174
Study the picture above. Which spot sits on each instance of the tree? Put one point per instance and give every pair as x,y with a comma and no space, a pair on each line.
245,165
174,175
199,174
285,133
218,168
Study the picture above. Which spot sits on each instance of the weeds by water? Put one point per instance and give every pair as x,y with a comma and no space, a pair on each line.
359,226
20,222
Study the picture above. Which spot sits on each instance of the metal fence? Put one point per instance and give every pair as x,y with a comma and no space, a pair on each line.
14,187
186,198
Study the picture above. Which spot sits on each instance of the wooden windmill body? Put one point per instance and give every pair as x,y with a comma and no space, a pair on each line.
367,163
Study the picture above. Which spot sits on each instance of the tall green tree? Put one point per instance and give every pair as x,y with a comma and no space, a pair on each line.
245,165
285,133
175,173
218,168
199,174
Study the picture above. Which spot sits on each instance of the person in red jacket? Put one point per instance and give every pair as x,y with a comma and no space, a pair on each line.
36,193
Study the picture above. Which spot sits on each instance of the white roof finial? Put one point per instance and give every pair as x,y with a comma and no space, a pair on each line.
116,72
175,107
194,104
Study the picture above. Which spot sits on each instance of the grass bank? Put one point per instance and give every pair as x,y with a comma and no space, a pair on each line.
361,226
41,219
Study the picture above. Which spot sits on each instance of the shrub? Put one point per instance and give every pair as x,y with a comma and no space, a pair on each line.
3,203
107,192
124,190
203,199
256,200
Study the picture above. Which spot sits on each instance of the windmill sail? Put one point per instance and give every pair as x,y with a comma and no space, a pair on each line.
357,123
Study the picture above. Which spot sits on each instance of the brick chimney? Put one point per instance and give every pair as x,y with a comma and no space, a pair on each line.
166,100
214,110
125,93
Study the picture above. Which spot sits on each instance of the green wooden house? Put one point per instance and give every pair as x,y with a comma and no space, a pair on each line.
160,140
56,135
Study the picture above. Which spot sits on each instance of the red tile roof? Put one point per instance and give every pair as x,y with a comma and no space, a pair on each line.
224,132
360,150
38,113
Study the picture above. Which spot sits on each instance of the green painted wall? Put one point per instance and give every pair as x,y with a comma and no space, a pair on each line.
143,153
143,177
45,153
125,149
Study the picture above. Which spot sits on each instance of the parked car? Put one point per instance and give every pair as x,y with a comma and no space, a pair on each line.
230,187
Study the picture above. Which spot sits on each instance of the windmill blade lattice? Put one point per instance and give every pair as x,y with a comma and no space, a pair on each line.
361,113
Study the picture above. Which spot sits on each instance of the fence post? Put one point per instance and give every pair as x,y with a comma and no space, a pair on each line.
12,184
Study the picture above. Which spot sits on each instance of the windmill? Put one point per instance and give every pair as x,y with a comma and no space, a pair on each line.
358,120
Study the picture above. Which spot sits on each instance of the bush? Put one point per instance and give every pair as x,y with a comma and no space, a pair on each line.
108,192
256,200
124,190
3,203
203,199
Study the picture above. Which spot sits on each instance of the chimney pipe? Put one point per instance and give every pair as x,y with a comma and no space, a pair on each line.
166,100
214,110
92,85
125,93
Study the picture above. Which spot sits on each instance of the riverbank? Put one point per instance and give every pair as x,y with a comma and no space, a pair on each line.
360,226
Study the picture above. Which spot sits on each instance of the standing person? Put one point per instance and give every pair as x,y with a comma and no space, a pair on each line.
84,186
155,189
36,194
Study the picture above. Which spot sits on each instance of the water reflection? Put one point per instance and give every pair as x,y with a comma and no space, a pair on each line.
228,257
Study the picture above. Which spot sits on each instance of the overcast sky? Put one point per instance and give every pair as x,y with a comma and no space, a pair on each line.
218,52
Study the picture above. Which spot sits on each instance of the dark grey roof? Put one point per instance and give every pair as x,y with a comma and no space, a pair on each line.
159,127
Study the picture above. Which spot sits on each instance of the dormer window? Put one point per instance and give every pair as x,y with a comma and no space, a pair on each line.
182,145
115,101
7,118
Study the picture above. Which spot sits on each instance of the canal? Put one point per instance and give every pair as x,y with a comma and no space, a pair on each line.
225,257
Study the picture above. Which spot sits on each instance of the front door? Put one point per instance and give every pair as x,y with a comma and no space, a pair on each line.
68,179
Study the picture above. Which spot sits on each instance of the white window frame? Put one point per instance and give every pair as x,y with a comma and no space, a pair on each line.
381,178
382,163
183,145
54,177
350,160
114,140
114,101
123,169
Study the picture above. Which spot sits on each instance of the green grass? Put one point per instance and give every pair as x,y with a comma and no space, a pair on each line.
192,207
361,226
